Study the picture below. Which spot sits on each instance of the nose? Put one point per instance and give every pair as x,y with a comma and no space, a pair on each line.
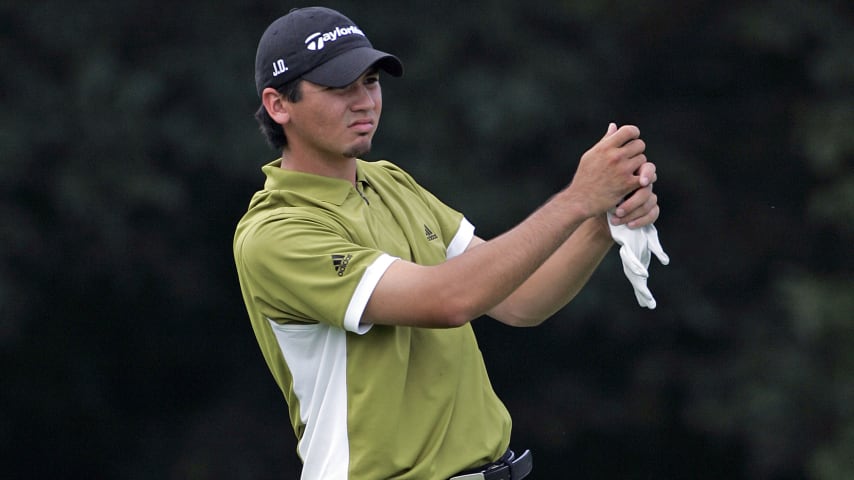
362,98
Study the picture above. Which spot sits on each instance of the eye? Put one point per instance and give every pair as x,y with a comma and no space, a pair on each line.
372,79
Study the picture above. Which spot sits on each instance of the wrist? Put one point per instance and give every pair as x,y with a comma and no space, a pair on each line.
598,230
579,207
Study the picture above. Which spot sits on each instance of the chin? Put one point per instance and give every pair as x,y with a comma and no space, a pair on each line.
358,150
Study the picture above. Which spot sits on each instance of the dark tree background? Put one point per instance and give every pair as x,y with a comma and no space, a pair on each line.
129,152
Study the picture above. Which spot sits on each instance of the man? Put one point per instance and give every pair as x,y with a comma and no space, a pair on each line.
360,284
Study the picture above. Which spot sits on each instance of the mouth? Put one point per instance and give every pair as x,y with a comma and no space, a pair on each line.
362,126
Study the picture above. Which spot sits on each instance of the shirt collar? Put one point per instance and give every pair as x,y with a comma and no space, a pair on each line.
327,189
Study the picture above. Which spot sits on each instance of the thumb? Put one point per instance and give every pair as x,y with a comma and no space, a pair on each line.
612,127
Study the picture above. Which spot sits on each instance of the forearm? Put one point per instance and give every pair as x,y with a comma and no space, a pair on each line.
512,259
559,279
470,285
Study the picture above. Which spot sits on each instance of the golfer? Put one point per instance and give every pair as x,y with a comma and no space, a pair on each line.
361,285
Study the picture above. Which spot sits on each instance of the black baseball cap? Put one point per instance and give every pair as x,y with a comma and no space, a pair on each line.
320,45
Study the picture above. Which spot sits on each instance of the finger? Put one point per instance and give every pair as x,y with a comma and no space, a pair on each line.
637,199
644,220
644,215
634,149
647,174
612,128
623,135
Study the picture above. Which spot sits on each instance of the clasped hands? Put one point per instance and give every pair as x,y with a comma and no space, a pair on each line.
631,226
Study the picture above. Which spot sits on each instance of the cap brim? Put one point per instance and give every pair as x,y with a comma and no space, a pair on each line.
345,68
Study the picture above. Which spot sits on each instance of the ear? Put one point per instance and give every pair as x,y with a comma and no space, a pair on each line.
276,105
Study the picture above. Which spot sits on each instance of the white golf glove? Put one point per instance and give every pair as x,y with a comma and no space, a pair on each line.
635,246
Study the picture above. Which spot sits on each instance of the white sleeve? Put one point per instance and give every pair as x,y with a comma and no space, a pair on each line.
462,239
359,300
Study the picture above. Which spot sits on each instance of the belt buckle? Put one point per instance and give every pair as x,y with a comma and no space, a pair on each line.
498,472
503,470
469,476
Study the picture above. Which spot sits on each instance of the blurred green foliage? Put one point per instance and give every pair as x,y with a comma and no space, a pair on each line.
129,151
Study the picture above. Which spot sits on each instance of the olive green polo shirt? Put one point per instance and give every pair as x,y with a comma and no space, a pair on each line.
365,401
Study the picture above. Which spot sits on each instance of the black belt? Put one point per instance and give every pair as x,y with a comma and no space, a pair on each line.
508,467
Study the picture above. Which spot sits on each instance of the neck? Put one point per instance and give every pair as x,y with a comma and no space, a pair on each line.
340,167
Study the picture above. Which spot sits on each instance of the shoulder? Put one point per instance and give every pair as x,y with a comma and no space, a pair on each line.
269,226
388,173
381,167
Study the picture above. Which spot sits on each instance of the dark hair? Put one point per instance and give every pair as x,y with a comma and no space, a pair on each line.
272,131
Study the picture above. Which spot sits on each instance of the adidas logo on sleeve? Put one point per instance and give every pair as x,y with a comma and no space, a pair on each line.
340,262
429,233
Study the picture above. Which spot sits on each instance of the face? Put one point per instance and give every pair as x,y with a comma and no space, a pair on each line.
335,122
